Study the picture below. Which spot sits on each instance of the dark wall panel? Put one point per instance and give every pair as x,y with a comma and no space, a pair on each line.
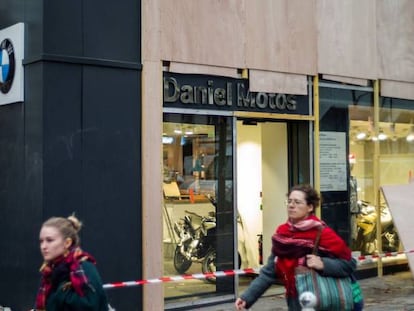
111,176
63,25
21,184
74,144
62,126
107,30
112,31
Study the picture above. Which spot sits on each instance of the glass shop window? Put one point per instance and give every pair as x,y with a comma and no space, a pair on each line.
198,203
396,165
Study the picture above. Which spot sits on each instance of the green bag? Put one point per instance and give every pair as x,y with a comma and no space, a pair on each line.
332,294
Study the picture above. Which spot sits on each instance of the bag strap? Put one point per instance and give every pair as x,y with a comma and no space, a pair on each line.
317,240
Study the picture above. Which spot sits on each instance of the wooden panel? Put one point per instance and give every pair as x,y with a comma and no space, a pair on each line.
347,38
203,32
150,30
203,69
277,82
281,36
397,89
396,39
399,200
152,195
355,81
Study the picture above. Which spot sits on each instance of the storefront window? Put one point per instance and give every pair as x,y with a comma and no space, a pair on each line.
353,213
396,165
336,103
198,203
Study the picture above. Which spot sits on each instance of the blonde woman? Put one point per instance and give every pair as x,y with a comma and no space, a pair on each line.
69,278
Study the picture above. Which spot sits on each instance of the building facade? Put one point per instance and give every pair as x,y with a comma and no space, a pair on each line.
134,115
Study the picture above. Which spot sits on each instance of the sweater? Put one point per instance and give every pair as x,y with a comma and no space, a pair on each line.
65,299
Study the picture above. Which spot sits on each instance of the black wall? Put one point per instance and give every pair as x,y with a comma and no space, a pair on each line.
74,144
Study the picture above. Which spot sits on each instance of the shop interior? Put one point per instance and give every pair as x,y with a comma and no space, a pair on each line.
396,164
191,165
190,159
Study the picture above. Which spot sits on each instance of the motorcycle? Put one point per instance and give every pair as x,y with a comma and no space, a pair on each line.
366,240
197,243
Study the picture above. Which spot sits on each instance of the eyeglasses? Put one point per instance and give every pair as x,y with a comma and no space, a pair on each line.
294,202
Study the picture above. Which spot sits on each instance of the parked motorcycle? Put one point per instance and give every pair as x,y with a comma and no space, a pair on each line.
197,243
366,240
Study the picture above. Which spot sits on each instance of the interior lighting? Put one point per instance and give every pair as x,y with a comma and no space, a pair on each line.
382,135
410,136
361,135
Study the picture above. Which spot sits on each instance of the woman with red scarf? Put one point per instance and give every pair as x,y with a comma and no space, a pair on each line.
292,245
70,280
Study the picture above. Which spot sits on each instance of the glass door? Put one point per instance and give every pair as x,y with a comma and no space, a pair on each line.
198,205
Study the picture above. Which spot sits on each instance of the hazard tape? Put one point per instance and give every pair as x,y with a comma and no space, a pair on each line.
196,276
203,276
388,254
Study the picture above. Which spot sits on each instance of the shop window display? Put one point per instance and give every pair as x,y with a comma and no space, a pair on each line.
396,164
393,134
198,202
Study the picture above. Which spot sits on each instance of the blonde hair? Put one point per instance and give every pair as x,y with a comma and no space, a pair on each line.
69,227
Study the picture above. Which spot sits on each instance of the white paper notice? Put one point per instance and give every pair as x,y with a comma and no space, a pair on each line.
333,159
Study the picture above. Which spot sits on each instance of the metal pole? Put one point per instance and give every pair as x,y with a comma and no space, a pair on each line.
376,174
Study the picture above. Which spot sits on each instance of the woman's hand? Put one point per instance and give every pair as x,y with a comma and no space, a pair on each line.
314,262
240,304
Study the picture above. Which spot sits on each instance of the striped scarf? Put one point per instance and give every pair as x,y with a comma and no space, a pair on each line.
63,268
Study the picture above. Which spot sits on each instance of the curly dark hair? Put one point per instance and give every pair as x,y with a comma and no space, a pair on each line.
312,196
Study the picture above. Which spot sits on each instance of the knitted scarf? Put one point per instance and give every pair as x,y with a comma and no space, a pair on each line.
292,242
64,268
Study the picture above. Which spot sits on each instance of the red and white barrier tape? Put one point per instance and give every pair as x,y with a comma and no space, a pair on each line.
196,276
202,276
388,254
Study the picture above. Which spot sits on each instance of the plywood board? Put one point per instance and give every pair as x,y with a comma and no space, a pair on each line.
395,24
347,38
203,32
281,36
400,201
278,82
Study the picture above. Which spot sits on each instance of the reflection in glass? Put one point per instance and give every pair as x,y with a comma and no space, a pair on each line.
198,203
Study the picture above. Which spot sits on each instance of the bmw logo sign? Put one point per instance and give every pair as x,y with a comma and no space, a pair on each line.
7,65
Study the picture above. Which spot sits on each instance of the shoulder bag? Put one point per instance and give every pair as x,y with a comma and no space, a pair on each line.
332,293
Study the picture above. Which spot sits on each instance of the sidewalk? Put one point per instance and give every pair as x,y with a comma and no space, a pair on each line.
390,292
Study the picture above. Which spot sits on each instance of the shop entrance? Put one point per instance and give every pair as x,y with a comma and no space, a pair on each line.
262,183
271,156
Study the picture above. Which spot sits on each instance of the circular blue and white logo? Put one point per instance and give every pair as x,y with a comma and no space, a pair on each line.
7,65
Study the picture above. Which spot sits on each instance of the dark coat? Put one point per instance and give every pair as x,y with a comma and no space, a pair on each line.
66,299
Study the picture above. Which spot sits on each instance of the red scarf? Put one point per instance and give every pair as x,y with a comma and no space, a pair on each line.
77,278
291,242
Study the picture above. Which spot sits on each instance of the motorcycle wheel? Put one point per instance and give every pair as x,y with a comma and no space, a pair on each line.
209,265
181,264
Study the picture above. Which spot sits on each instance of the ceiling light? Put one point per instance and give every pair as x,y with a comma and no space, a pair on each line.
361,135
410,136
382,135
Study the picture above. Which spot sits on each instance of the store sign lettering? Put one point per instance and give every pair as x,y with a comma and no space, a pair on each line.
219,96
